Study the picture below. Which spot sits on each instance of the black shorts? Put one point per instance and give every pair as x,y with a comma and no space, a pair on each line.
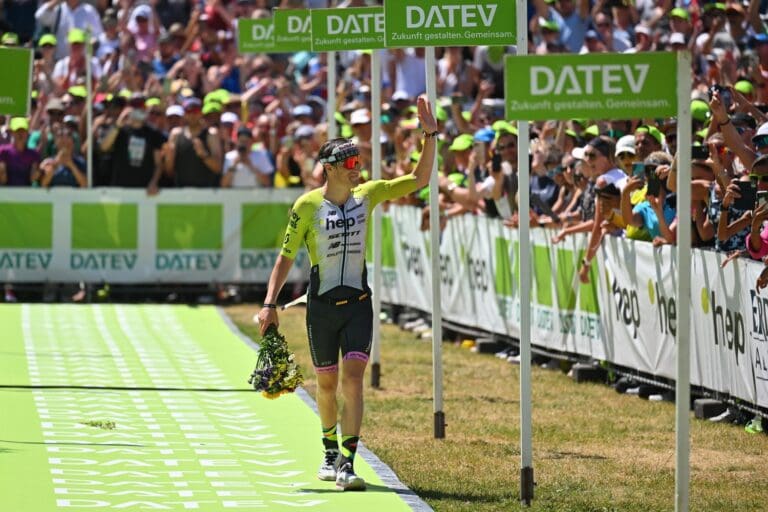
337,324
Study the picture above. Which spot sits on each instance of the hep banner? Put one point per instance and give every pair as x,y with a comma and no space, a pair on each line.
16,87
449,23
597,86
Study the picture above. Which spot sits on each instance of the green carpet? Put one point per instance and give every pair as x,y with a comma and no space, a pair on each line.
147,408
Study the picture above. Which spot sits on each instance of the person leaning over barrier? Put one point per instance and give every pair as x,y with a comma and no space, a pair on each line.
332,221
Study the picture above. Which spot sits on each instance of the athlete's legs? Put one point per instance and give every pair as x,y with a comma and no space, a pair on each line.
327,383
353,371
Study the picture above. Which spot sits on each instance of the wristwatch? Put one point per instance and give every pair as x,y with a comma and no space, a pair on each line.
432,134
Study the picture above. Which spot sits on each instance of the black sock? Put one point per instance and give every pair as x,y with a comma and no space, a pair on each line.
330,440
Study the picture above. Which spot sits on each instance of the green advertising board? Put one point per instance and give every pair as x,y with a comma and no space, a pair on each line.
104,226
255,35
594,86
293,30
17,85
455,23
347,29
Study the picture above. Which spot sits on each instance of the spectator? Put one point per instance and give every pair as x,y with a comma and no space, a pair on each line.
571,16
645,214
192,155
70,70
647,140
66,169
136,151
247,166
59,17
757,241
18,163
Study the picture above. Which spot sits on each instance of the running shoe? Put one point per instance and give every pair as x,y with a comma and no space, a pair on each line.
347,480
327,471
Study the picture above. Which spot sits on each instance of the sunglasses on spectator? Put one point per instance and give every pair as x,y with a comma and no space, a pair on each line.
761,142
626,156
502,147
591,155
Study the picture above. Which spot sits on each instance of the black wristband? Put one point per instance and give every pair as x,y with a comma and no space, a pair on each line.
723,124
433,134
270,306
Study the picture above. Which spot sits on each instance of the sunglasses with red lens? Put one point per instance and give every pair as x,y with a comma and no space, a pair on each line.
351,162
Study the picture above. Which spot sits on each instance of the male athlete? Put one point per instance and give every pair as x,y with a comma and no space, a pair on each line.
332,221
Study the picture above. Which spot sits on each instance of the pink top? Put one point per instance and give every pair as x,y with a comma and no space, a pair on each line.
762,252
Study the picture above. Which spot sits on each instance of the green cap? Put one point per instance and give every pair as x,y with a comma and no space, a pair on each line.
572,133
124,93
702,134
744,87
409,124
582,122
652,131
76,36
679,12
212,107
699,110
152,102
500,127
718,6
19,123
592,131
47,39
441,114
549,25
219,95
78,90
462,142
467,116
10,38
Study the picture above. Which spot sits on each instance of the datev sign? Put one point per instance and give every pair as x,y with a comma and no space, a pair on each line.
255,35
595,86
449,22
293,30
347,29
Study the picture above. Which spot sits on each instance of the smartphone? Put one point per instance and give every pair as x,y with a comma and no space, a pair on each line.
700,152
457,100
654,183
638,170
725,95
496,162
748,191
762,197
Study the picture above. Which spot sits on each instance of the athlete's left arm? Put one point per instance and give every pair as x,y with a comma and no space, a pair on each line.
423,169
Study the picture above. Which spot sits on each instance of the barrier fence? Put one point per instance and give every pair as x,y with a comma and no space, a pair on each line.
627,315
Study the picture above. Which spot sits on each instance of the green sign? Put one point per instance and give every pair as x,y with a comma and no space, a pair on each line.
347,29
449,23
255,35
26,226
293,30
105,226
189,226
594,86
16,87
263,225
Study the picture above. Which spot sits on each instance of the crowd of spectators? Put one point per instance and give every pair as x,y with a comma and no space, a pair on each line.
176,105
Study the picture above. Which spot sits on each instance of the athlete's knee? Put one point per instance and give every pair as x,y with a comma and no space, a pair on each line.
327,381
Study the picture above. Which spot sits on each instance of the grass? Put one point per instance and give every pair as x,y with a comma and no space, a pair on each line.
594,450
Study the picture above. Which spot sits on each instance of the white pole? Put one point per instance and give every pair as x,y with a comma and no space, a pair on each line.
683,384
376,170
434,229
331,101
526,443
89,108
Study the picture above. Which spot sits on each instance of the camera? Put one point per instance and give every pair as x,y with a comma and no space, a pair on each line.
725,95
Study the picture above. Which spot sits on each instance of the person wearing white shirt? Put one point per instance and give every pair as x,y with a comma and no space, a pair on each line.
246,167
61,17
69,70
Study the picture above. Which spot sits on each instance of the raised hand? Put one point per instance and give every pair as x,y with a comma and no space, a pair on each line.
426,118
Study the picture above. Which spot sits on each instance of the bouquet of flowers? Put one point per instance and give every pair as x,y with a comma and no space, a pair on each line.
276,370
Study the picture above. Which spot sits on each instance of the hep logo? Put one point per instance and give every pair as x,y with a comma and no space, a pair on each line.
413,259
339,223
478,274
627,306
667,309
728,325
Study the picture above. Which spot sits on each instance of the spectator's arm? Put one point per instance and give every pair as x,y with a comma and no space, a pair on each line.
756,245
458,119
3,173
46,13
703,225
213,160
80,177
169,152
48,166
598,8
34,173
753,16
583,9
157,156
627,213
109,140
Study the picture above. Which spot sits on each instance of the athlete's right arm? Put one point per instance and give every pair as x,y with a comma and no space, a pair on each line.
298,223
268,315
